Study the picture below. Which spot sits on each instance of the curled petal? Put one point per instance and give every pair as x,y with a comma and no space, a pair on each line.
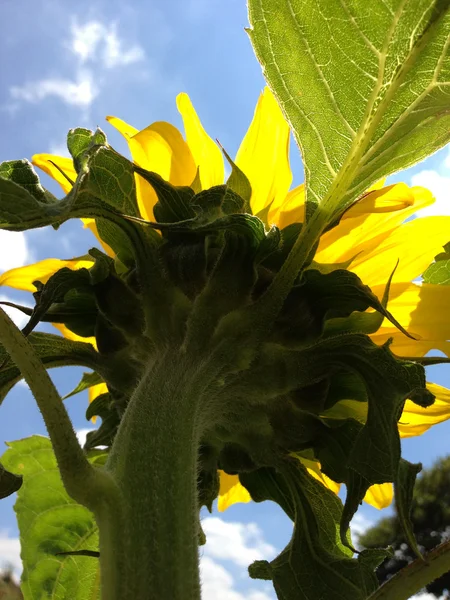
21,278
47,163
231,491
159,148
415,420
370,221
380,495
206,153
264,154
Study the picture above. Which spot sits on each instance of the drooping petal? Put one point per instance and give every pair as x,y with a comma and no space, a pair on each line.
159,148
380,495
21,278
264,154
44,162
415,420
370,221
206,153
94,392
70,335
292,210
231,491
422,311
313,468
414,245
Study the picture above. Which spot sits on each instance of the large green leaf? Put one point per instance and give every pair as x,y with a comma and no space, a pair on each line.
50,522
364,85
315,563
439,271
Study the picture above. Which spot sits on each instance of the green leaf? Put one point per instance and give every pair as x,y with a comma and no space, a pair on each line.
315,564
104,407
403,494
50,522
88,380
54,351
439,271
80,140
364,90
22,173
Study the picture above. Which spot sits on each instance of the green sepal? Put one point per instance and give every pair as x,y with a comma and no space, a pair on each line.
87,381
22,173
104,407
238,182
9,483
403,495
115,299
54,291
50,522
342,292
174,203
315,563
80,140
438,272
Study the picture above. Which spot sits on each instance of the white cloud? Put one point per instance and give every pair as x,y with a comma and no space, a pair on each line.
13,249
81,435
439,185
79,92
96,42
19,318
241,543
10,554
360,524
218,584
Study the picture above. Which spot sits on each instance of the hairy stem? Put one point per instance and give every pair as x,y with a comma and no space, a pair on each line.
416,575
154,462
82,482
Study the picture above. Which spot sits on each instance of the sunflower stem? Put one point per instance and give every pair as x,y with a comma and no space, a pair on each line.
83,483
415,576
154,462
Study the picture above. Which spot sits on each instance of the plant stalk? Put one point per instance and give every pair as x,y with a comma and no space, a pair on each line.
415,576
154,462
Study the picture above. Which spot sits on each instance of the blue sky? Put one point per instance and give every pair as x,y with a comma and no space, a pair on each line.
71,64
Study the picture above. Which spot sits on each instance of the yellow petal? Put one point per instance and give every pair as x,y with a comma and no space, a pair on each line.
313,468
206,153
21,278
422,310
379,495
370,221
94,392
70,335
231,491
415,420
264,154
414,245
292,210
91,225
65,164
160,148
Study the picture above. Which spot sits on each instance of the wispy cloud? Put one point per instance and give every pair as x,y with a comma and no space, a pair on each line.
10,553
97,42
96,47
438,182
219,584
14,250
240,543
79,92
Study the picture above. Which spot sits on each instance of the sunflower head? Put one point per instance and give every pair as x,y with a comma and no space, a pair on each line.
190,264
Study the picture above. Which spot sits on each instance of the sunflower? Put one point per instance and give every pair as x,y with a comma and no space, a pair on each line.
370,239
